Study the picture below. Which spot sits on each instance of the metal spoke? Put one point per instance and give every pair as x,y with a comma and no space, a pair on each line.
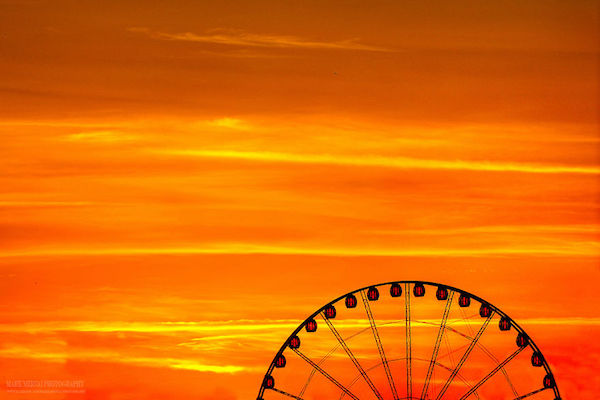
450,351
287,394
491,356
408,341
459,376
492,373
310,376
325,374
359,367
436,347
464,357
486,351
333,349
530,393
467,319
384,360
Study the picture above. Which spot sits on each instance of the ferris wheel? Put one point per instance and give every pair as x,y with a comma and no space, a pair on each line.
408,340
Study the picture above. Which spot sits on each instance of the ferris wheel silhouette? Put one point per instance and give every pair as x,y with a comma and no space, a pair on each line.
408,344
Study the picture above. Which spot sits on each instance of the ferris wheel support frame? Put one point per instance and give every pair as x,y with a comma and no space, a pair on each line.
406,284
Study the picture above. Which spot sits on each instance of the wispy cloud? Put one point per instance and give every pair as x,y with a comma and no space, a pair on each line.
209,337
231,123
245,39
199,327
28,203
234,329
107,136
110,357
582,249
385,161
512,229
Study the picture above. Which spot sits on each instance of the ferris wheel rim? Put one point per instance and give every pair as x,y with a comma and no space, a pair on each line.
513,323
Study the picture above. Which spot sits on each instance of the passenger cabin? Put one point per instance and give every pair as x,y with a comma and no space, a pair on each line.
441,293
504,324
350,301
464,300
522,339
329,311
537,360
294,342
548,381
419,290
311,325
485,310
280,361
269,382
373,293
396,290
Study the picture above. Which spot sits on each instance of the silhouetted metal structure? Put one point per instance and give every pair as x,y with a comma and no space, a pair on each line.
408,289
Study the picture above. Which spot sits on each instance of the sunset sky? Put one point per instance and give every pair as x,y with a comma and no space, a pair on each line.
184,182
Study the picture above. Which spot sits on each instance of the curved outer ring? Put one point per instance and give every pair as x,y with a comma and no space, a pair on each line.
479,299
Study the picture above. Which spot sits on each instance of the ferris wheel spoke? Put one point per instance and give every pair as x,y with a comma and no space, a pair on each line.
359,367
449,351
531,393
384,360
408,340
436,347
482,348
326,374
464,357
455,321
503,370
492,373
325,357
467,320
310,376
287,394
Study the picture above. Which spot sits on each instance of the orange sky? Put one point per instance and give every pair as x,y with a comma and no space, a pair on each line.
184,182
